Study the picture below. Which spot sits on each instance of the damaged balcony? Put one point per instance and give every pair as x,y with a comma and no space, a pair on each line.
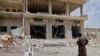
45,16
62,17
4,14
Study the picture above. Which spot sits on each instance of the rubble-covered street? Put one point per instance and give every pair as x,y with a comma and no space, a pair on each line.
54,51
64,51
48,48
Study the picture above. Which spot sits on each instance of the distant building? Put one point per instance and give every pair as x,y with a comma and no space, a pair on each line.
46,19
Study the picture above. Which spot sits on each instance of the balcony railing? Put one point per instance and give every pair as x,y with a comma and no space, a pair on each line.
63,17
29,15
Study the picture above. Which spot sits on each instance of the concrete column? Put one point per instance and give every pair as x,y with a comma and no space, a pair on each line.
26,5
27,30
81,10
68,32
67,9
49,30
9,29
50,7
82,26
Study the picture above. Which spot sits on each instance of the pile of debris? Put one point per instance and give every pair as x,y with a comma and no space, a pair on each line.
5,40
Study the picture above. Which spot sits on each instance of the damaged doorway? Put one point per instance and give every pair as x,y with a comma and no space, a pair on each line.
75,30
38,32
58,31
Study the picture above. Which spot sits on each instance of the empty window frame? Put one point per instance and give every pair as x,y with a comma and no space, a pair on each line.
3,28
13,27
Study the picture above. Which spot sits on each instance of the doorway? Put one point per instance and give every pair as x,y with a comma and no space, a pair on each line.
75,30
58,31
38,31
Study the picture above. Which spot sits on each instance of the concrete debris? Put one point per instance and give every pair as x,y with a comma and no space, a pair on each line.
57,47
17,32
40,45
5,37
6,40
91,43
43,43
27,54
1,45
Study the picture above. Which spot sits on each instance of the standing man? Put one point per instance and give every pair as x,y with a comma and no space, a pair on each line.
82,42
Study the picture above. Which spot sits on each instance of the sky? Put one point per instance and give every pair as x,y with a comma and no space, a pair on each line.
92,9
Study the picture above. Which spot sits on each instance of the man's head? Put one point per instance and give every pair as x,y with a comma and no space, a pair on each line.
79,35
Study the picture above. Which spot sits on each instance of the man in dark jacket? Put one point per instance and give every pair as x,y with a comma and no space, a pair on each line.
82,42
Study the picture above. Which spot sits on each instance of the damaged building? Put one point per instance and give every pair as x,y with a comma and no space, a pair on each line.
42,19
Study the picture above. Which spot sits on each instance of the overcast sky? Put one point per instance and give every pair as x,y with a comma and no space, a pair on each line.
92,9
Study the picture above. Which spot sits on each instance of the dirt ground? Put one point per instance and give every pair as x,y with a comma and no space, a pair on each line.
49,48
64,51
53,51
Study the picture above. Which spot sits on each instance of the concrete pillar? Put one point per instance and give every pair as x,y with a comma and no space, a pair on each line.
50,7
9,29
82,26
26,5
23,20
67,9
27,27
81,10
68,32
49,30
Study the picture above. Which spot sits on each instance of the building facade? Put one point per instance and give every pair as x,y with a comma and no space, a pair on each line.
42,19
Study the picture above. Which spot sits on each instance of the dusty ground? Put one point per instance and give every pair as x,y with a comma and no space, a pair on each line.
49,48
54,51
12,51
64,51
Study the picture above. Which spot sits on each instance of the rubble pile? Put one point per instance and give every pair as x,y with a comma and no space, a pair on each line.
58,42
10,46
6,40
93,41
42,46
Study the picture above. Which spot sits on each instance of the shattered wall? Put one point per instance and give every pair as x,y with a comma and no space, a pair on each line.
10,23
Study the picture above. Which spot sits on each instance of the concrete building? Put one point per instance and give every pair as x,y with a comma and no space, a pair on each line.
92,32
46,19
